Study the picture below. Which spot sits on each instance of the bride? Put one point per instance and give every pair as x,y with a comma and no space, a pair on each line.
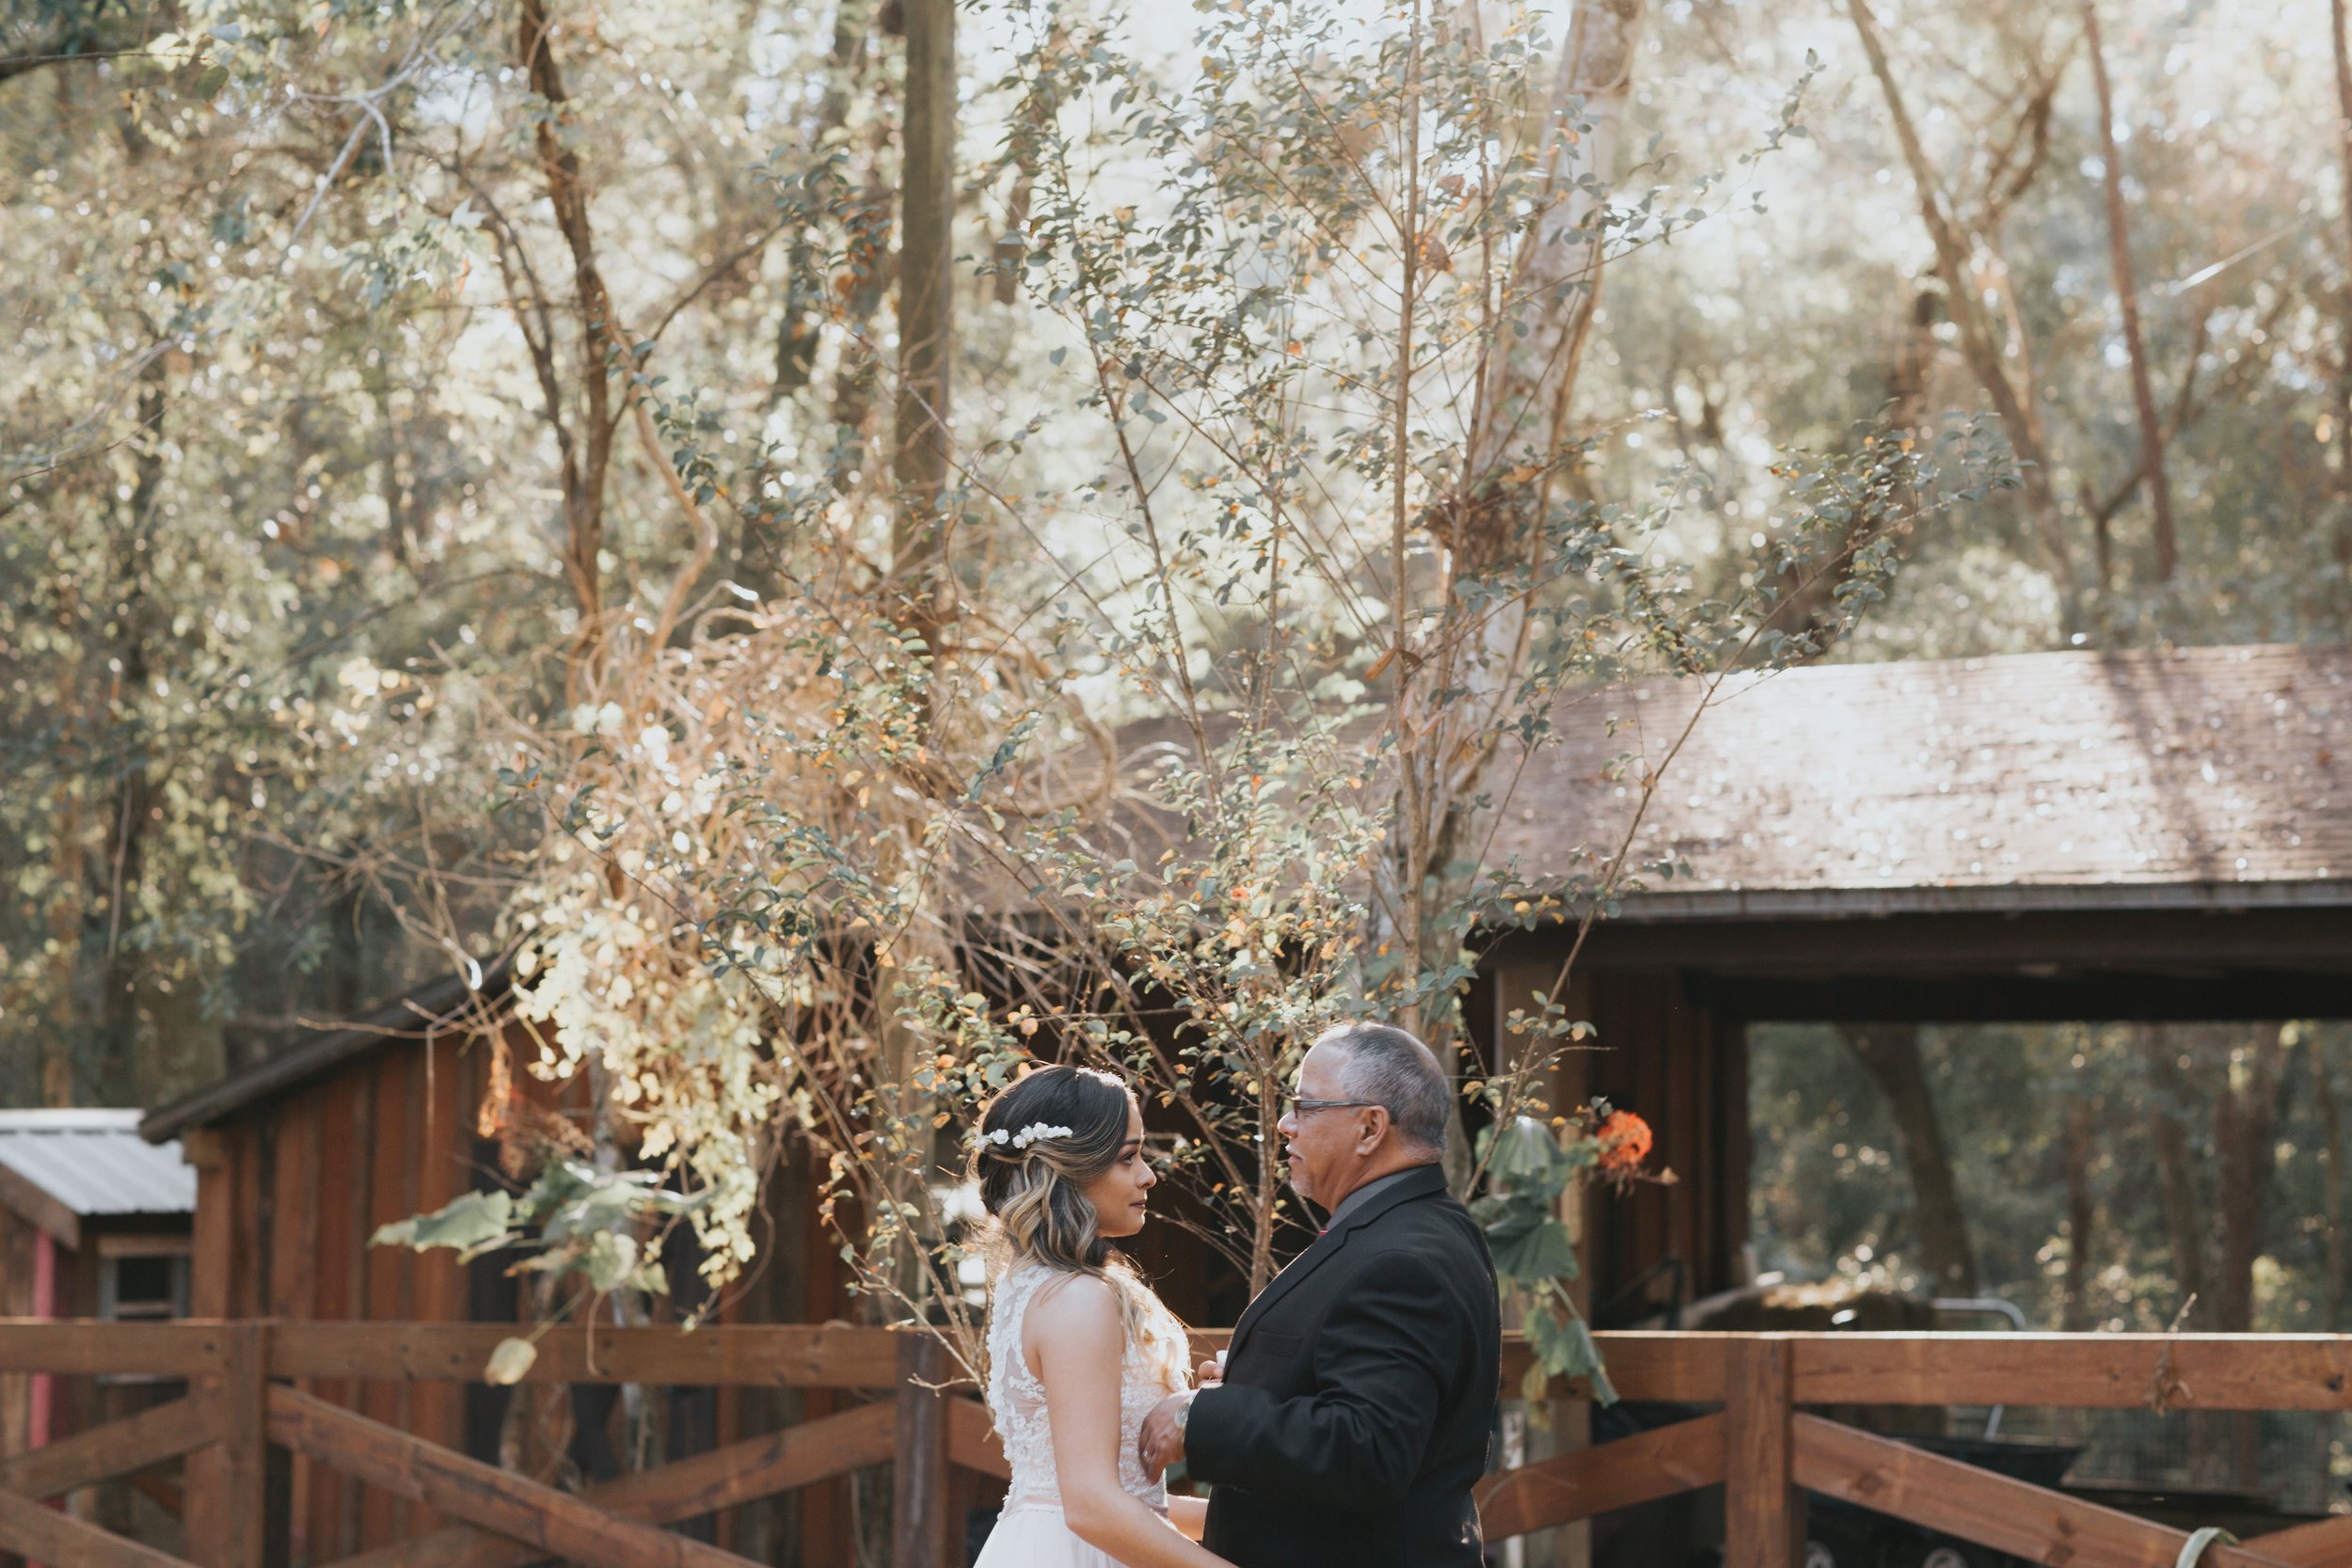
1079,1349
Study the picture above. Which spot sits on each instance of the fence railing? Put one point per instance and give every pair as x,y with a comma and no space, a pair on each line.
1757,1440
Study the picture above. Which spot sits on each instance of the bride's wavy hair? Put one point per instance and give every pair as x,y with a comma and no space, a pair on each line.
1036,1194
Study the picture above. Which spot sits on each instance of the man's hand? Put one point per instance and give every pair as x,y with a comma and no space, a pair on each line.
1162,1442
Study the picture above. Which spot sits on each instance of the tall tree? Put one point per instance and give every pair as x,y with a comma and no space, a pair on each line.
2127,300
2001,368
1890,1052
922,444
1455,681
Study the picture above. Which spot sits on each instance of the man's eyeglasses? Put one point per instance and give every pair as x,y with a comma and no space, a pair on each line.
1293,1105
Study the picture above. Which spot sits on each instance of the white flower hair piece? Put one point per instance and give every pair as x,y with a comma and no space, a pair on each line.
1034,1133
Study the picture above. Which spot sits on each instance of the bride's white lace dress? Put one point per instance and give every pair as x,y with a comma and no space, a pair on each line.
1029,1532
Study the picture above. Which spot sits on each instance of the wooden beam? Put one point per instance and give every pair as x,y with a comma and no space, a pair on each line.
2207,1372
686,1489
86,1347
241,1514
44,1535
775,1355
919,1488
116,1448
1637,1469
1763,1510
556,1524
1999,1512
35,1205
2115,1372
2321,1544
972,1440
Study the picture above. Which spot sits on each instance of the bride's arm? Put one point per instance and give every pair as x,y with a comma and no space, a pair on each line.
1190,1515
1078,1343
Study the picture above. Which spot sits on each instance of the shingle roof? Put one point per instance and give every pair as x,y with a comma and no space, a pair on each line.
2213,774
425,1011
92,1162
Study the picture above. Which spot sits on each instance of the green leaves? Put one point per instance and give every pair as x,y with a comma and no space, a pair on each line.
472,1224
581,1219
1562,1346
1530,1246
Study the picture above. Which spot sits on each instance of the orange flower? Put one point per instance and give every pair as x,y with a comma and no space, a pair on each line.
1625,1142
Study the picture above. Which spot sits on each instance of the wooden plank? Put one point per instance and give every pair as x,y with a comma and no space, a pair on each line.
2321,1543
163,1431
2115,1372
1572,1486
1675,1369
44,1535
82,1347
556,1524
242,1508
687,1489
2005,1514
779,1356
1763,1510
2090,1371
37,1206
972,1440
919,1484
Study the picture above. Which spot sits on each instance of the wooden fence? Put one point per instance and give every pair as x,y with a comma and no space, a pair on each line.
1758,1442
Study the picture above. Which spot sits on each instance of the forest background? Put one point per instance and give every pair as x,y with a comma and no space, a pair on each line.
335,330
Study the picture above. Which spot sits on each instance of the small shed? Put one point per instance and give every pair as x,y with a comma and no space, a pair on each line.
2106,837
94,1222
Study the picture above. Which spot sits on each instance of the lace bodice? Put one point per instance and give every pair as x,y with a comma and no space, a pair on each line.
1147,1373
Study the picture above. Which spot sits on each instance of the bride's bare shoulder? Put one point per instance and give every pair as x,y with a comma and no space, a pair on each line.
1074,1302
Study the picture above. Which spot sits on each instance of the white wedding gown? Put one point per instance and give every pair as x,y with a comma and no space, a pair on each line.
1029,1532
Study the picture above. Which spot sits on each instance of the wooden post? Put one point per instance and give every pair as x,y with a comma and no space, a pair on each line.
918,1493
1763,1510
241,1512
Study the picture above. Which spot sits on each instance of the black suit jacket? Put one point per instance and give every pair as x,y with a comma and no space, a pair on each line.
1358,1396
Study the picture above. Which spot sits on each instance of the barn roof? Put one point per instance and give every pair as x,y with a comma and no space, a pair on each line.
60,1167
2205,777
426,1010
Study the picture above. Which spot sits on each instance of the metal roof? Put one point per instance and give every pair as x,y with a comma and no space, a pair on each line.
90,1163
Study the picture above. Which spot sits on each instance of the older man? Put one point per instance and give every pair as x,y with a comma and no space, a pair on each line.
1357,1398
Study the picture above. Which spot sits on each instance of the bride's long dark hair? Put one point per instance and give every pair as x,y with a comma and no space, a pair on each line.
1036,1194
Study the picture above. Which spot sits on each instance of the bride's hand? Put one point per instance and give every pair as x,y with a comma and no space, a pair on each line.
1212,1371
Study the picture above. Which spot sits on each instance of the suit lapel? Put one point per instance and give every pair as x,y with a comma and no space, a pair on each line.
1418,1183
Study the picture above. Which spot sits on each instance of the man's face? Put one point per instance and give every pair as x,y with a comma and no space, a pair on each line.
1323,1145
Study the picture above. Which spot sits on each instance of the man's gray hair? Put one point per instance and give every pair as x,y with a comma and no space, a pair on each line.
1390,1067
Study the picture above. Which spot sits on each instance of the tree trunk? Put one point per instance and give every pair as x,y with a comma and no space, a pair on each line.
2243,1118
926,313
2343,472
123,865
2120,264
2168,1102
588,453
2176,1176
1449,698
1890,1052
2081,1215
2012,403
2332,1176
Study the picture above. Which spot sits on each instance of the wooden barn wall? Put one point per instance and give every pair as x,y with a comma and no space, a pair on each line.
1662,1054
287,1193
16,1300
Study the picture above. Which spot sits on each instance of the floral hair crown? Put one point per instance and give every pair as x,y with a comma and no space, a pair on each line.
1036,1131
